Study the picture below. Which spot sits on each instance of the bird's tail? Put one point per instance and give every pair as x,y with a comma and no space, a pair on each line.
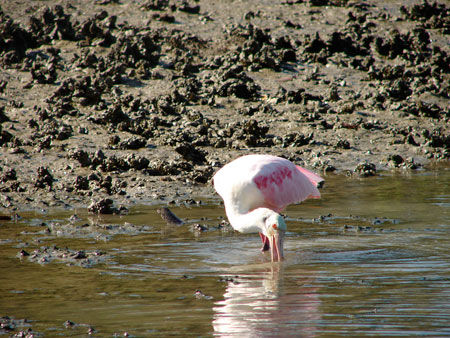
314,178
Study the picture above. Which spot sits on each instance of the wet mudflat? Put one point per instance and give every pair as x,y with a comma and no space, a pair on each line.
368,259
114,103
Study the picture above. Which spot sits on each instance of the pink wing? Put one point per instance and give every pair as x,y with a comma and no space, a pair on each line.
314,178
255,181
282,183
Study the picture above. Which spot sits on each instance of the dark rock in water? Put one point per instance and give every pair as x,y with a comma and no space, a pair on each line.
168,216
23,253
366,169
200,295
69,324
199,227
10,324
358,228
83,258
79,255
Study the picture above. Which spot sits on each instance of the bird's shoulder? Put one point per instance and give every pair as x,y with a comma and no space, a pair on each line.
246,168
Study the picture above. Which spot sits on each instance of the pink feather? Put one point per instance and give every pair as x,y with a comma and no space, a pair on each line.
255,181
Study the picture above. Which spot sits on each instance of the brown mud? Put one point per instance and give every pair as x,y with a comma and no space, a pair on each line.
105,104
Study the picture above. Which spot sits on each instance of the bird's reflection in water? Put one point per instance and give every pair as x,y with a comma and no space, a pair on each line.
260,305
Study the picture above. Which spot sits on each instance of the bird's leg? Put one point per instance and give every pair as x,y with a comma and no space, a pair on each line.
265,242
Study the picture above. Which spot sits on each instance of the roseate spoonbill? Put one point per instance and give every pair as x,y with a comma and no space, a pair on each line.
255,188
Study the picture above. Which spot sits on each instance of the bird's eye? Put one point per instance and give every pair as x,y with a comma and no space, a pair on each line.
274,226
264,219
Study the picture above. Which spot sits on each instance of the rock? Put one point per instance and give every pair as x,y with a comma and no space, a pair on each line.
44,179
433,15
3,116
343,144
366,169
81,183
8,175
105,206
184,6
396,160
296,140
190,153
168,216
156,5
81,156
134,142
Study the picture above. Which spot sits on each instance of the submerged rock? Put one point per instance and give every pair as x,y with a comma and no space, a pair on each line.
168,216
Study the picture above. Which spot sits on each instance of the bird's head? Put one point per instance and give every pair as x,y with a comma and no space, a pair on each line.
274,229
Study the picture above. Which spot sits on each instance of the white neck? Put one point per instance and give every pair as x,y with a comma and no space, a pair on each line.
247,222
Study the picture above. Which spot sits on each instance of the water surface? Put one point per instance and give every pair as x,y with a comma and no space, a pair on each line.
370,258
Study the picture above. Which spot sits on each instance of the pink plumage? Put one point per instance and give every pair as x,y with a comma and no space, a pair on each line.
255,181
255,188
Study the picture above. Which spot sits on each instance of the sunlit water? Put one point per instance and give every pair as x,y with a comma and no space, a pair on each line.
371,258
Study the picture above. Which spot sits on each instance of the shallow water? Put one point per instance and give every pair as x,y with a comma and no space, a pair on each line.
371,258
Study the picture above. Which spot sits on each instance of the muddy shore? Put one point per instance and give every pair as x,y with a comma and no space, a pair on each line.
105,104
